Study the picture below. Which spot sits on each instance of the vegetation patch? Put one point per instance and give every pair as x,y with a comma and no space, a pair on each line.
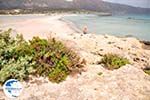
147,70
113,61
100,73
48,58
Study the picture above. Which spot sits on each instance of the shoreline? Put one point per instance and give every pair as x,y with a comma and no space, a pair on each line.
123,35
53,20
41,26
146,43
23,15
71,25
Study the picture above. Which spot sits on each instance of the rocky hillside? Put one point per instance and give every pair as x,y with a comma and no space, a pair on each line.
94,5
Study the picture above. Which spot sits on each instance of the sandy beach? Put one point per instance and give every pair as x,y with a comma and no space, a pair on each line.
127,83
42,26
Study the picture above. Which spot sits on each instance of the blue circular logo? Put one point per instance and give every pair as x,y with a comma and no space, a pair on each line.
12,88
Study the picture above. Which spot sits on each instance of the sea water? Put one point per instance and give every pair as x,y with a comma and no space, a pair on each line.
128,25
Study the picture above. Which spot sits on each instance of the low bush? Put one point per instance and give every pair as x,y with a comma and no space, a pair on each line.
48,58
15,57
113,61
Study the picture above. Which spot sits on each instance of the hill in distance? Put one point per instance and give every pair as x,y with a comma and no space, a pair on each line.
92,5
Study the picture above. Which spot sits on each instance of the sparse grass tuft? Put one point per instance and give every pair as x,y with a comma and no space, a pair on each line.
113,61
147,70
100,73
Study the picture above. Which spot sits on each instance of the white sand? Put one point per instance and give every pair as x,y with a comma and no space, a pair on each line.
41,26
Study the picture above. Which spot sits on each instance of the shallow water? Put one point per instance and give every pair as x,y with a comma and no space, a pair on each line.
137,26
131,25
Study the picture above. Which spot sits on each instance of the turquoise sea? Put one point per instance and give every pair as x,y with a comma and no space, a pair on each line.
130,25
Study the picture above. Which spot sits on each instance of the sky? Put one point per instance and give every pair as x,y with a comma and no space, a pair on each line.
136,3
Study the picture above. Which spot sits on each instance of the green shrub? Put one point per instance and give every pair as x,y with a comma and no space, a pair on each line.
19,69
53,59
15,62
5,37
113,61
49,58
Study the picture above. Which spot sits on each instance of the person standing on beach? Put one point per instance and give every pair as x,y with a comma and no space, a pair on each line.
85,30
